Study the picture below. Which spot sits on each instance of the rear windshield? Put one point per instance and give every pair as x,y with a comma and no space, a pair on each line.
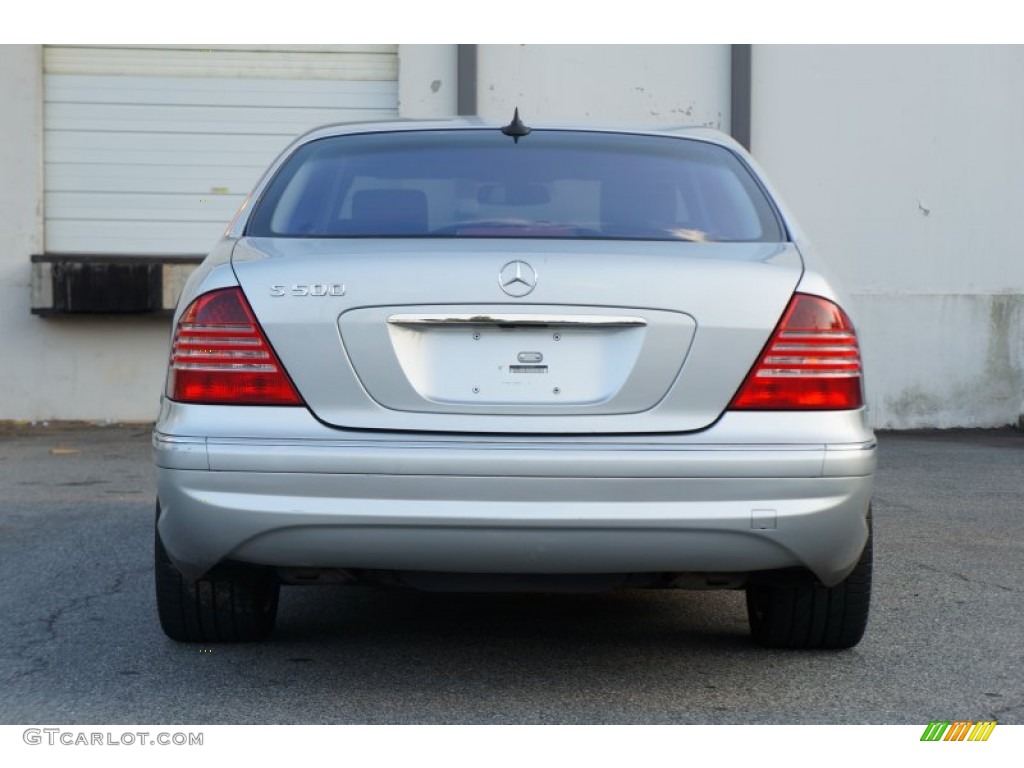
551,184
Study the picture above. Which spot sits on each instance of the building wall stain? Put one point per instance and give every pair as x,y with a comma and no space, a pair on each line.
993,396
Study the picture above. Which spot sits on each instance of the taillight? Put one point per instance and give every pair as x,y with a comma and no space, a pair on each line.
812,362
220,355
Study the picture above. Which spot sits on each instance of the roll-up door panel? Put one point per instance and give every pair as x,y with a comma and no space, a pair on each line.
151,149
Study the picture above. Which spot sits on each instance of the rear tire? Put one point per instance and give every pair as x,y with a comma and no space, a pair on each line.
232,603
802,613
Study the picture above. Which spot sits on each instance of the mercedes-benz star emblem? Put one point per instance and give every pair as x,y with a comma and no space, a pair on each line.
517,278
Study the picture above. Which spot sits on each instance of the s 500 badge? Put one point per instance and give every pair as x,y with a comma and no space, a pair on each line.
314,289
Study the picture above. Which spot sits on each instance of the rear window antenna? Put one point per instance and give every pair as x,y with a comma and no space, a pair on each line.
516,129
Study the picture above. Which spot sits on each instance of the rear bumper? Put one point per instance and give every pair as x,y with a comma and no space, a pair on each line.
515,505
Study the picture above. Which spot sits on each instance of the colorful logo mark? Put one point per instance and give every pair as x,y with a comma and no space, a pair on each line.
958,730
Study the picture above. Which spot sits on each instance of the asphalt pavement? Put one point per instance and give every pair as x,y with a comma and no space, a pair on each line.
80,643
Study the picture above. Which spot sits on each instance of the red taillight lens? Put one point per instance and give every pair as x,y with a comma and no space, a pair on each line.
220,355
812,362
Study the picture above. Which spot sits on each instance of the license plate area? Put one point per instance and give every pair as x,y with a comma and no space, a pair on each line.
492,364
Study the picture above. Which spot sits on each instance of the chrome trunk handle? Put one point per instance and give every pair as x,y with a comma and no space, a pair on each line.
516,320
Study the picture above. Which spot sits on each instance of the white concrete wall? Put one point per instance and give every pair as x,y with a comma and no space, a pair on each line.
427,81
905,165
69,368
674,84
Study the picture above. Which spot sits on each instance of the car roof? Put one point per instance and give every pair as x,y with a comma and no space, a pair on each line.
702,133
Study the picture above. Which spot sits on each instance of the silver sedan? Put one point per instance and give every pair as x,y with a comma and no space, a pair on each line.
461,356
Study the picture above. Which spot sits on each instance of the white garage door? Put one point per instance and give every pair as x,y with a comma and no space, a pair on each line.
151,149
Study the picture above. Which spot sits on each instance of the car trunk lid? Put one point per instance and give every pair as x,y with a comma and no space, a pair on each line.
516,336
